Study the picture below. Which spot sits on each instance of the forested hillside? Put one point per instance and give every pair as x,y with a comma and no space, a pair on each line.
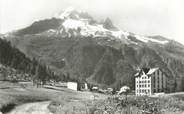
16,66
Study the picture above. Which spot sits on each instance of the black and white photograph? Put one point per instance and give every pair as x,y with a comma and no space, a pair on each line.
91,56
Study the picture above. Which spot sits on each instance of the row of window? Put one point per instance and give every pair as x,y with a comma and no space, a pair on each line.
144,81
144,77
160,81
158,73
143,91
158,77
158,85
143,85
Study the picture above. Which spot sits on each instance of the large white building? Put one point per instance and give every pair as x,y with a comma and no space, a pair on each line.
149,81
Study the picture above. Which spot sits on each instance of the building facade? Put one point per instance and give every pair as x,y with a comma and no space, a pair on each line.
149,81
83,86
72,85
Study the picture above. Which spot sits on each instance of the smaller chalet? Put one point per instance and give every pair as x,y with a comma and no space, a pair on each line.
72,85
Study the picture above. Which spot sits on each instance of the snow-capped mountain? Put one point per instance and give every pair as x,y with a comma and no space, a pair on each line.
73,23
97,51
81,22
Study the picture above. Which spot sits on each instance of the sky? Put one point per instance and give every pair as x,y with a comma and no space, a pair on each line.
144,17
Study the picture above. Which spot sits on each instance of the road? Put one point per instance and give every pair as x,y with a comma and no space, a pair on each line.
32,108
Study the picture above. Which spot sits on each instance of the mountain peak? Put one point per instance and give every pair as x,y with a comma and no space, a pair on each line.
108,24
66,12
72,13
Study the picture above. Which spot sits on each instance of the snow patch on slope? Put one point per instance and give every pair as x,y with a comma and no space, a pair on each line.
141,38
73,24
158,41
146,39
118,34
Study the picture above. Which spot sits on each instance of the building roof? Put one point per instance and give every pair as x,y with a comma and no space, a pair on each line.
124,89
151,71
147,71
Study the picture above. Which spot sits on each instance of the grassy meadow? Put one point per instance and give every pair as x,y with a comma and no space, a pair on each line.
13,94
65,101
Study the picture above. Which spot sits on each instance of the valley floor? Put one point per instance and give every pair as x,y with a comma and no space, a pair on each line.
14,96
25,99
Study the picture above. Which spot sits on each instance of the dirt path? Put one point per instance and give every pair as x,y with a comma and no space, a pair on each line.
32,108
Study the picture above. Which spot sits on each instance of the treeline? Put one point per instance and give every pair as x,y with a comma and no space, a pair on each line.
12,57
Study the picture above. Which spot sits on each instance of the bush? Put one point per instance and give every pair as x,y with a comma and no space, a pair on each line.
134,105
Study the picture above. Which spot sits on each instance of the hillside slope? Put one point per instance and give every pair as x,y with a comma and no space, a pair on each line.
102,56
16,66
